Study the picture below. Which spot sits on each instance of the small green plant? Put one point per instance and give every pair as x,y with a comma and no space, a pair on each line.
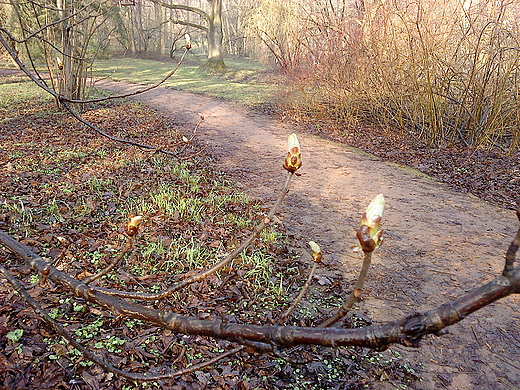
260,274
99,185
25,214
89,331
153,250
78,307
132,323
15,335
54,313
95,257
33,279
111,344
53,209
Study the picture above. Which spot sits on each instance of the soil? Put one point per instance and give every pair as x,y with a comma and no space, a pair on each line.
440,242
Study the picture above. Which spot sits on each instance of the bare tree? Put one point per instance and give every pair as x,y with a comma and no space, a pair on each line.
60,34
211,23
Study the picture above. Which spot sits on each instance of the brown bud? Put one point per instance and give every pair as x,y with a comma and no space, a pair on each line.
293,161
132,226
45,273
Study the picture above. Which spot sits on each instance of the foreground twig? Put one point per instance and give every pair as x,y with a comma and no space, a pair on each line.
300,296
317,256
115,261
512,250
407,331
354,295
370,238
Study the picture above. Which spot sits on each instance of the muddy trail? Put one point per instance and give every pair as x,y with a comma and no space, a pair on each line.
439,243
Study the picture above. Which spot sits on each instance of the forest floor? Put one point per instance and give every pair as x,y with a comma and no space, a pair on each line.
440,241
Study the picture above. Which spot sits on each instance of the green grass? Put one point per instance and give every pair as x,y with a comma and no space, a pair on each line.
243,81
193,215
15,93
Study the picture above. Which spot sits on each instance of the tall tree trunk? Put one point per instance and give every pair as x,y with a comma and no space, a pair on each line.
131,30
68,79
215,55
213,18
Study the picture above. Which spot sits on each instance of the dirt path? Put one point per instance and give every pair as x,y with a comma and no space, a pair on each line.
439,243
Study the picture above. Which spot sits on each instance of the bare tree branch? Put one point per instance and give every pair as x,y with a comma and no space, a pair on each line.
189,24
49,25
93,357
198,11
22,67
407,331
168,76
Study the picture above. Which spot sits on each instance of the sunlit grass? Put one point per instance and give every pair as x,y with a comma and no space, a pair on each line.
14,93
243,81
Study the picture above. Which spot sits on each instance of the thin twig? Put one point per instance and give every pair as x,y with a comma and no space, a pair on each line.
129,245
354,295
300,296
169,75
512,250
111,137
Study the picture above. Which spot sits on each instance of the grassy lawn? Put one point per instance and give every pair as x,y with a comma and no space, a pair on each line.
244,81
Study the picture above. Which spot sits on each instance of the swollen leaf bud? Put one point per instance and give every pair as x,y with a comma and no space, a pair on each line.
293,161
132,226
188,41
368,234
316,252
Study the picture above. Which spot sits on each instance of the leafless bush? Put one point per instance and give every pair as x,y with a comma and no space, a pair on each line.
446,72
